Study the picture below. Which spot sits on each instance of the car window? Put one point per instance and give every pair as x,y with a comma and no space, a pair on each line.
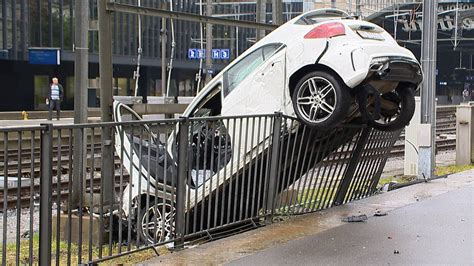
210,105
247,65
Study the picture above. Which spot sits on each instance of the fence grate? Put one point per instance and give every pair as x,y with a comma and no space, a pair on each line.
174,181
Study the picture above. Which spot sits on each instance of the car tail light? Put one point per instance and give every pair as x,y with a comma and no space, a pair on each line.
327,30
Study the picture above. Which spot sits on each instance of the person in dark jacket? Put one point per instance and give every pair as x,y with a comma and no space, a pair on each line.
56,93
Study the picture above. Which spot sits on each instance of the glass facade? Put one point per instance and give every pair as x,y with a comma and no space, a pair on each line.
26,24
49,23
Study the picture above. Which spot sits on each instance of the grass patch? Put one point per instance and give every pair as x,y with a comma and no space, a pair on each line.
399,179
308,199
63,256
446,170
439,171
314,197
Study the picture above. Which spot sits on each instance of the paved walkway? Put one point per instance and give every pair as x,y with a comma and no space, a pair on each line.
426,223
436,231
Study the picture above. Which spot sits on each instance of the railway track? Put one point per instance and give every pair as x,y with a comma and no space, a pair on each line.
62,188
25,162
30,194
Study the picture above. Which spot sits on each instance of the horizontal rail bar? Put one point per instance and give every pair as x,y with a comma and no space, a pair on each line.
148,11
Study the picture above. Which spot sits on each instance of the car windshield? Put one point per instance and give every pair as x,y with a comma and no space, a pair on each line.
322,15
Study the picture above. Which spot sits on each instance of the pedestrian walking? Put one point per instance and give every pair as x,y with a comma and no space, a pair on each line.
55,98
466,94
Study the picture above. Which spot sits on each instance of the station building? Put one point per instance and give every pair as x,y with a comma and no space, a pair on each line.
29,26
455,71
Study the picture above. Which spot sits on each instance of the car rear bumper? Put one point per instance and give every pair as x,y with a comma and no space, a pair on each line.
357,62
401,69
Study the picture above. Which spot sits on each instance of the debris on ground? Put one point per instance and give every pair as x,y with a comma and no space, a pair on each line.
380,213
355,218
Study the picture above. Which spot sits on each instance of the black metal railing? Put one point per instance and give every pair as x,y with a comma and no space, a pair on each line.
173,182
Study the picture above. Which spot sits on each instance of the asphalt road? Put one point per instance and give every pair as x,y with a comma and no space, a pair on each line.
438,230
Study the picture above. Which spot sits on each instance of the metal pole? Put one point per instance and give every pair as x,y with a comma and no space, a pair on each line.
105,72
45,195
181,182
148,11
163,54
261,16
358,8
428,93
272,180
277,12
208,42
136,75
81,82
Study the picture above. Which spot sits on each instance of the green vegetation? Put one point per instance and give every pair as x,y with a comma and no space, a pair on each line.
441,170
126,259
446,170
308,199
399,179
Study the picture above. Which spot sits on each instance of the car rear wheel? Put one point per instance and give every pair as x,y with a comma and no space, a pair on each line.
400,115
321,100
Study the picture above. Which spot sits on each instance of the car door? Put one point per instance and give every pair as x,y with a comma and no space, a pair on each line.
243,77
266,96
253,86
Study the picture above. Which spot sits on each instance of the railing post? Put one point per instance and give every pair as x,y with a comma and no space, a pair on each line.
181,182
352,167
272,179
46,194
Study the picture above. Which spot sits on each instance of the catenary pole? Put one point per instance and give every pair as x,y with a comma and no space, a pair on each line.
105,73
208,42
426,157
81,51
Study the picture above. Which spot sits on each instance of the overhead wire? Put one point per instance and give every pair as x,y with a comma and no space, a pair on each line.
136,74
173,46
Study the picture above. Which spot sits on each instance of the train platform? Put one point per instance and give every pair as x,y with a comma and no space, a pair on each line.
428,223
37,122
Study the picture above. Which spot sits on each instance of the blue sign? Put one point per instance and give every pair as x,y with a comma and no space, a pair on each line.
194,53
225,54
210,71
44,56
201,53
216,54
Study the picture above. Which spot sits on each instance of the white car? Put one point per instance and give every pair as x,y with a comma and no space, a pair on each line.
323,67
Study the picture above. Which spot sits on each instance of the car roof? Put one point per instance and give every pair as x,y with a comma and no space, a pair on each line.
320,15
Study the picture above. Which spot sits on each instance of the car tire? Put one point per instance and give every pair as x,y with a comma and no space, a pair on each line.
154,234
405,99
321,100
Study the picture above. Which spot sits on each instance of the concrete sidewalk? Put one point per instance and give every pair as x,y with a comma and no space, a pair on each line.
426,223
436,231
